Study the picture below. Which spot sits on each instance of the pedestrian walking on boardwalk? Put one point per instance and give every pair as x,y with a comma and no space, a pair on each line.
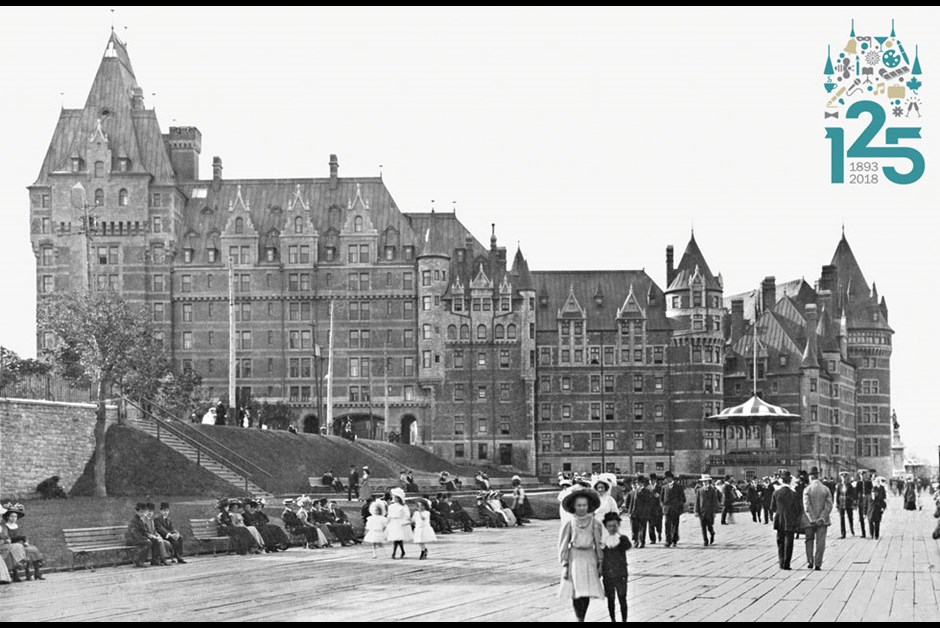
581,551
706,506
787,512
817,504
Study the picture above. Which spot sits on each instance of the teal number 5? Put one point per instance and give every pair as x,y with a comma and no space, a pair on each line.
861,148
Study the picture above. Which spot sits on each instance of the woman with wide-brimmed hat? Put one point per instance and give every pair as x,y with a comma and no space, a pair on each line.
602,485
581,550
11,528
13,555
243,542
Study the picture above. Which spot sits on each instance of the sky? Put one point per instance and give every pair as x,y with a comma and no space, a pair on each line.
592,137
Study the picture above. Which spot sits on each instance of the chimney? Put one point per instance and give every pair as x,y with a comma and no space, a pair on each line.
334,171
768,293
843,336
737,319
184,144
827,280
824,301
216,172
811,351
493,237
670,270
137,98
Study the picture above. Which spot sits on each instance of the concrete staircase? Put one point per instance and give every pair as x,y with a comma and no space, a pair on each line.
201,457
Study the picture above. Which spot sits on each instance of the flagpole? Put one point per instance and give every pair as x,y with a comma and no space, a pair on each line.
231,333
755,346
329,377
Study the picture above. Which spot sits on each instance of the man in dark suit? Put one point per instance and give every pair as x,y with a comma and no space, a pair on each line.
138,536
754,500
353,486
863,488
458,514
673,506
656,516
727,500
787,510
168,532
642,511
160,549
706,505
845,502
766,498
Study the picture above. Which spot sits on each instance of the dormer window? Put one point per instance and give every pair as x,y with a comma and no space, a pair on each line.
543,300
460,254
599,300
389,253
458,304
330,253
124,164
357,224
188,256
77,165
239,226
212,255
122,198
505,303
270,254
298,224
409,253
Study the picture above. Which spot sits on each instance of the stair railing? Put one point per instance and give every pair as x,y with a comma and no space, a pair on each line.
201,448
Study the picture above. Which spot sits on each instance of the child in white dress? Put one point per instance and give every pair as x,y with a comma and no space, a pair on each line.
375,526
424,533
398,529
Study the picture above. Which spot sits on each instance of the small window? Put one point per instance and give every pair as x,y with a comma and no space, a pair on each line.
298,224
99,197
239,225
99,168
122,197
357,224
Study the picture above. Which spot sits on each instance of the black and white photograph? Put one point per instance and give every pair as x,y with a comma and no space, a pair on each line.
497,314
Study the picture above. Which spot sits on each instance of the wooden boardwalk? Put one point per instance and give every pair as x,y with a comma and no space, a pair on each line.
511,575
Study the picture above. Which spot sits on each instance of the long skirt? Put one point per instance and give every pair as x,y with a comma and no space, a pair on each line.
583,579
365,490
274,536
4,573
242,540
311,534
342,531
13,555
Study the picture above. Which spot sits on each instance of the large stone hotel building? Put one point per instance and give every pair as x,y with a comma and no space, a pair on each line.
438,336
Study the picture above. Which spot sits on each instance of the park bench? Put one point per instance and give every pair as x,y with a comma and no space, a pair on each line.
206,532
84,543
317,488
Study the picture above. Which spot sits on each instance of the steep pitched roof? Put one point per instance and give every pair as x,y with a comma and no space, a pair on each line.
554,287
434,240
691,260
520,270
450,233
798,291
862,306
131,133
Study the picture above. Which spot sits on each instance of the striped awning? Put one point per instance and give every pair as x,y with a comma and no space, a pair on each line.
753,408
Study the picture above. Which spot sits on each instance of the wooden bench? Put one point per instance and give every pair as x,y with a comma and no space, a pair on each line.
86,542
206,532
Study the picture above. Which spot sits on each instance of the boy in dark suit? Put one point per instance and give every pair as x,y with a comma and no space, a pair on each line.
614,566
168,532
138,535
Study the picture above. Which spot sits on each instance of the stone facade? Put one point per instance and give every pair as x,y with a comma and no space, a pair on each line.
39,439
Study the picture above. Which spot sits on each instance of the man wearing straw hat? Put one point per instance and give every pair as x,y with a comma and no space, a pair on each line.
706,506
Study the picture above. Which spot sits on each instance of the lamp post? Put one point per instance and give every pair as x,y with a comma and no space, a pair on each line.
80,203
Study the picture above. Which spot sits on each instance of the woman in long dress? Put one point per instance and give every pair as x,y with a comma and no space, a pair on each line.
13,555
399,522
910,494
365,486
275,538
424,533
13,530
581,551
242,540
375,526
608,503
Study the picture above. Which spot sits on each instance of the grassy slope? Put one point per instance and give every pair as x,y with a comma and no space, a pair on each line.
139,465
293,458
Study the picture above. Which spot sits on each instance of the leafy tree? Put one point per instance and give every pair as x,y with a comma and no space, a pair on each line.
276,415
182,394
109,341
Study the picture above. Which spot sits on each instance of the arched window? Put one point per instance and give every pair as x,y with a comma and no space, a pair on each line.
357,224
511,332
99,197
122,198
99,168
481,332
465,332
452,332
500,332
239,225
298,225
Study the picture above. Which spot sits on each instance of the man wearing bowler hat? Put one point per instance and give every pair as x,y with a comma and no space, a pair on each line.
787,511
863,488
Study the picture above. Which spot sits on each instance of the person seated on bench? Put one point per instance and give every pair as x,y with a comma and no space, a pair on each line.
13,554
449,482
168,532
275,539
238,517
343,519
438,522
307,513
312,535
490,518
481,480
342,531
50,489
496,503
137,535
232,526
161,548
407,482
329,479
455,512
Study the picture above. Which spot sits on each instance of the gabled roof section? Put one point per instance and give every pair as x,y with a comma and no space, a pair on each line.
693,262
505,287
433,240
798,291
481,281
451,233
132,133
571,308
631,307
239,208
